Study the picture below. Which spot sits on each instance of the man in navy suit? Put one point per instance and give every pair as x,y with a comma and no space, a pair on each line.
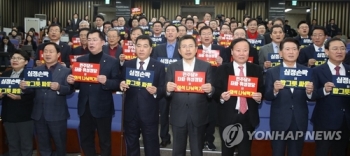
166,50
55,36
206,35
50,111
95,101
83,49
113,48
141,104
307,55
332,112
289,111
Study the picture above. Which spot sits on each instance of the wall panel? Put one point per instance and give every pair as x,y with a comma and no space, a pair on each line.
14,11
324,11
64,9
172,8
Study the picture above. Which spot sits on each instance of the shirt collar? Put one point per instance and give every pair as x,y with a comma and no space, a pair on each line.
294,66
236,65
58,42
204,47
52,68
316,48
274,44
18,72
146,61
172,44
332,66
185,63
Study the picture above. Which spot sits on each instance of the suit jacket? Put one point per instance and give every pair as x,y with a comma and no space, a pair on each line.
65,52
305,54
77,51
285,103
225,110
347,58
17,110
160,51
139,100
264,53
75,26
194,105
119,51
50,104
329,110
252,53
298,37
99,96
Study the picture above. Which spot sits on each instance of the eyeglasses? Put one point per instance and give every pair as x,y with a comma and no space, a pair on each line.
17,58
317,35
206,34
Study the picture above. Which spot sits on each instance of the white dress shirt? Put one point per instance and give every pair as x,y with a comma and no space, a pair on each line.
190,32
333,71
188,67
145,64
316,48
237,72
206,48
5,48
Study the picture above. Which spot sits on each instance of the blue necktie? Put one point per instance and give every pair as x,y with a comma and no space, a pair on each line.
170,51
320,50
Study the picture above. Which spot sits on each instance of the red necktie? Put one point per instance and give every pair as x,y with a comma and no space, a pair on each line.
243,101
141,65
337,68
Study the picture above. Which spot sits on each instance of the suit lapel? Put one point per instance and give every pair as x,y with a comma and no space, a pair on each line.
347,70
151,65
56,72
271,48
103,62
327,73
180,66
249,70
197,65
230,69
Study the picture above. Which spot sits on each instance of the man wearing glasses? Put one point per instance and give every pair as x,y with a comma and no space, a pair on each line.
307,55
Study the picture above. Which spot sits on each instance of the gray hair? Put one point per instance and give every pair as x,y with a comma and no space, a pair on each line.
112,29
84,22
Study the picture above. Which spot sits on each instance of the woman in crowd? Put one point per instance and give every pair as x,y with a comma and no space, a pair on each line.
14,35
17,109
30,41
7,47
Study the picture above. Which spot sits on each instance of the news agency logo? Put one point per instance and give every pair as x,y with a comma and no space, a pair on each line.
232,135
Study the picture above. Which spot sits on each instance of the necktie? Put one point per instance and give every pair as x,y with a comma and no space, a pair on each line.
320,50
243,101
170,51
337,68
141,65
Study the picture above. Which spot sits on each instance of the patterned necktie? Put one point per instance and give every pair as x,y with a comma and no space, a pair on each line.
141,65
243,101
337,68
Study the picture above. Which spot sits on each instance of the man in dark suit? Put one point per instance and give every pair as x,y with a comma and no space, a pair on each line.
238,110
99,20
241,33
55,36
189,111
166,50
289,111
189,23
95,102
332,112
83,48
287,28
75,22
303,34
206,35
141,104
113,48
307,55
347,58
277,21
50,111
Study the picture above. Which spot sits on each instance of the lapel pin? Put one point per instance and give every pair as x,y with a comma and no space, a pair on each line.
152,65
104,60
59,69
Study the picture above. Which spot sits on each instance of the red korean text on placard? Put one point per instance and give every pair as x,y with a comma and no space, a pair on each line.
189,81
242,86
85,72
